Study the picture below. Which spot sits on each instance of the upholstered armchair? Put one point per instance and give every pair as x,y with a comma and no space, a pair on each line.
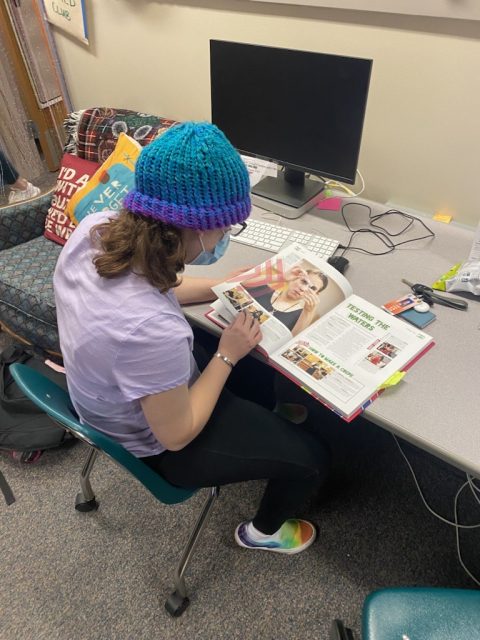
27,257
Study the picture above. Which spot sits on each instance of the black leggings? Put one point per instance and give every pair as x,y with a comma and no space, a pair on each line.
245,441
8,173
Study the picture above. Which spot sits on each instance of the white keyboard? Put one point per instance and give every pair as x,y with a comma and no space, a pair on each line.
272,237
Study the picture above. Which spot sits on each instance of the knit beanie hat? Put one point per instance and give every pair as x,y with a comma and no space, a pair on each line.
191,176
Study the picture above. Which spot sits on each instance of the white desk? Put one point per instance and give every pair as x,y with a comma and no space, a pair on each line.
437,405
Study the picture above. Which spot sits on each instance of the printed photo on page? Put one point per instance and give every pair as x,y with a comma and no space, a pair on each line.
286,294
348,353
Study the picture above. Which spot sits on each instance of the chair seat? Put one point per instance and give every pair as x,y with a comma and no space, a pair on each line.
55,401
27,303
426,613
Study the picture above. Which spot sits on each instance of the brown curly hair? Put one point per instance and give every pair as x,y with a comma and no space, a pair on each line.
147,247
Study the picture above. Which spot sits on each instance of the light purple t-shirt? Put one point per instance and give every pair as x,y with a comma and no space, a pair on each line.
121,340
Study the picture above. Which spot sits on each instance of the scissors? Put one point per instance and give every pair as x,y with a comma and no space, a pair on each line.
430,296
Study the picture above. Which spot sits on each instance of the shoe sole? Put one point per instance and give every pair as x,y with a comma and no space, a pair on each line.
289,552
23,199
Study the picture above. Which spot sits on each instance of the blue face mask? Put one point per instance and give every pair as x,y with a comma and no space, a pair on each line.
209,257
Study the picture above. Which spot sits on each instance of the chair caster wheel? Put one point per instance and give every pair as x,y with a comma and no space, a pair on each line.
85,505
176,604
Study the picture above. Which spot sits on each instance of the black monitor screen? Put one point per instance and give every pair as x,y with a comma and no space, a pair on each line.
302,109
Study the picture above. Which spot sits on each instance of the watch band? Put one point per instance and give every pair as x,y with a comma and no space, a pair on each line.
224,358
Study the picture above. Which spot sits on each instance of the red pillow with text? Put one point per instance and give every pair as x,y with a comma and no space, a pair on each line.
74,174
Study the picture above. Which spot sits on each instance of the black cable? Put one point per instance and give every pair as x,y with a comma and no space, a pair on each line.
381,233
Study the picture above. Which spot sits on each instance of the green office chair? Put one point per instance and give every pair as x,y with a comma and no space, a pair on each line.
56,403
417,613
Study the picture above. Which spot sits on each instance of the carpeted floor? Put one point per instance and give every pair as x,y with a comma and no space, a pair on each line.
105,575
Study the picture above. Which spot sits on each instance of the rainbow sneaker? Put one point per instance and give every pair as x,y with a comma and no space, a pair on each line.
292,537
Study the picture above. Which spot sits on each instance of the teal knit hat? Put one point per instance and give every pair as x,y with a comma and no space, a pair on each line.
191,176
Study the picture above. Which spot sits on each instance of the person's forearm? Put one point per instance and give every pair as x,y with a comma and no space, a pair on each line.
204,393
178,415
302,323
193,289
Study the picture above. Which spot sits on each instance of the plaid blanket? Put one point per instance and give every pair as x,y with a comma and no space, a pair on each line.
92,133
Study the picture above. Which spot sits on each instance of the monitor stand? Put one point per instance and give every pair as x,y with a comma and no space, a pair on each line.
290,194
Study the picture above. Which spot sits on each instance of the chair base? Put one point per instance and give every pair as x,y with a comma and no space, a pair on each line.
178,601
176,604
55,401
85,505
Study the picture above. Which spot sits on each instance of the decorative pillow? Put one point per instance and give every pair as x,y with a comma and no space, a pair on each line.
74,174
106,190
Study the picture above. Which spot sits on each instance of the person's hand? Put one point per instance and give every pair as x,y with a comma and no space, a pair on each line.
295,272
240,337
310,301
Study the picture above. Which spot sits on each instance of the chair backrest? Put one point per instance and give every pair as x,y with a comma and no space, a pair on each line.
421,612
56,402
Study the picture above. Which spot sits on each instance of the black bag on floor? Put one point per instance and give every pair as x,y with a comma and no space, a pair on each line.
24,428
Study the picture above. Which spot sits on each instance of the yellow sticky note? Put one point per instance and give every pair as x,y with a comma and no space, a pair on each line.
442,217
393,380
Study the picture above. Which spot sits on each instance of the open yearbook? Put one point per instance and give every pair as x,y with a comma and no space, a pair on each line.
337,346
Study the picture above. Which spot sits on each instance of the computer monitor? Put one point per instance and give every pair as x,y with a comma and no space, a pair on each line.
301,109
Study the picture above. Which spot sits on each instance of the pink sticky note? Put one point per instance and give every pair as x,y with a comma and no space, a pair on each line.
332,204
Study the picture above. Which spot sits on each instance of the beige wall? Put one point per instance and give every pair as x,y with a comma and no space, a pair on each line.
421,140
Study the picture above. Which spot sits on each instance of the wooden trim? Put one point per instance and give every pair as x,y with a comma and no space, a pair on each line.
45,119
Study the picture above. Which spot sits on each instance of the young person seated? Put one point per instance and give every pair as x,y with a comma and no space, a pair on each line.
128,348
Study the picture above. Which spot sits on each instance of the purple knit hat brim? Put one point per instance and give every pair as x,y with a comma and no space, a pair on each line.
203,218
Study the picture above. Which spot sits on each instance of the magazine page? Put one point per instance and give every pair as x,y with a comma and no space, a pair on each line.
286,294
350,352
219,314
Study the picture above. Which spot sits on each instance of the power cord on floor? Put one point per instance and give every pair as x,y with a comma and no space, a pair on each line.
457,534
476,494
474,488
